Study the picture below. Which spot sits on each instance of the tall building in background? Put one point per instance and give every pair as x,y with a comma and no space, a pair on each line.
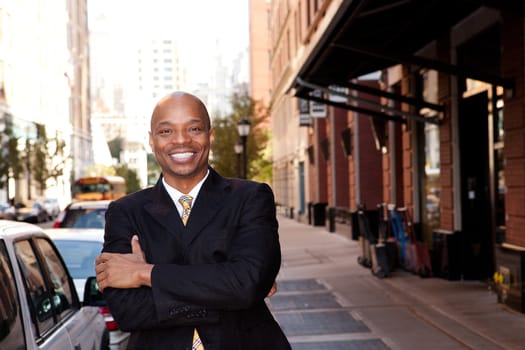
44,77
105,60
260,77
157,71
225,79
79,81
108,55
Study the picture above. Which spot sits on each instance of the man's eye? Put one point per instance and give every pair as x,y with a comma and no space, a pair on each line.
164,132
195,129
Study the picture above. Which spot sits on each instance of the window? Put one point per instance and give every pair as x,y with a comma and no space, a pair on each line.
79,256
38,295
499,170
84,218
48,287
431,164
11,331
62,291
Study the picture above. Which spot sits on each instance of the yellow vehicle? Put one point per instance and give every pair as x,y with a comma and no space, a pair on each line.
99,188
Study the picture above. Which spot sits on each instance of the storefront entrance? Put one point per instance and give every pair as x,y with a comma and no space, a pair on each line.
476,233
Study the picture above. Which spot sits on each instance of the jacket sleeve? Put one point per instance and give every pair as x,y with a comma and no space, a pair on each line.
134,308
249,268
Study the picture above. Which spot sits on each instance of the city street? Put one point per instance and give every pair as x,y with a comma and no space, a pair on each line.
326,300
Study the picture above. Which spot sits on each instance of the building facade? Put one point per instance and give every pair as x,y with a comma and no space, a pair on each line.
44,79
417,105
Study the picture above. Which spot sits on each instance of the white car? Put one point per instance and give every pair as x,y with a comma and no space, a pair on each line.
83,214
79,248
39,305
52,207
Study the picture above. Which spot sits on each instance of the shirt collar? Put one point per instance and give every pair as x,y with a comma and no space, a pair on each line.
175,194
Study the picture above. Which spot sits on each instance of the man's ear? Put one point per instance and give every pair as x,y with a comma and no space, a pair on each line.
212,136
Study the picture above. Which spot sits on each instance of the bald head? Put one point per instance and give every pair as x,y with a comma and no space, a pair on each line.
180,99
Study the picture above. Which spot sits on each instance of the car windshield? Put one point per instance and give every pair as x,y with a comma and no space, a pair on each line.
84,218
79,256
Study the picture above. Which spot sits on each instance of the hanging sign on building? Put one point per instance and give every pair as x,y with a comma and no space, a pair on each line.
317,109
339,94
304,112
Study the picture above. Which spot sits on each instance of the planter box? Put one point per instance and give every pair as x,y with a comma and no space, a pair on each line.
509,276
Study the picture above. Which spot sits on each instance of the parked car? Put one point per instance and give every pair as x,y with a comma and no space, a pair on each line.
7,211
40,308
79,248
83,214
33,213
52,207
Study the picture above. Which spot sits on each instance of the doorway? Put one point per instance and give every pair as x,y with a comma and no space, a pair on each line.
476,242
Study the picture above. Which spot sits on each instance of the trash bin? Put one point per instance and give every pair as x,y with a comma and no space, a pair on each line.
355,226
319,214
310,213
331,219
446,255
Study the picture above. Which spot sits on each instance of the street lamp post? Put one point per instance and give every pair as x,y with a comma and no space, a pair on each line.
5,154
238,150
244,129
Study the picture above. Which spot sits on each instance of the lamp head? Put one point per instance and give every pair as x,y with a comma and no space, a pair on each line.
243,127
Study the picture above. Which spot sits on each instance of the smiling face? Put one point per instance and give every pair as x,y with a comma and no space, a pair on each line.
181,138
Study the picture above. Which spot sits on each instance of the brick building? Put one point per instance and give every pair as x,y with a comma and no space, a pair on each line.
419,104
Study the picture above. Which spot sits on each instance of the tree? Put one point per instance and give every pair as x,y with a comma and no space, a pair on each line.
132,180
10,161
42,161
153,169
223,157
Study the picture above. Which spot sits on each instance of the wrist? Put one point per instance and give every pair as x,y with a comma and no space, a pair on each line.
145,275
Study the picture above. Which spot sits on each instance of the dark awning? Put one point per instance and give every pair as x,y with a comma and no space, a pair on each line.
370,35
379,111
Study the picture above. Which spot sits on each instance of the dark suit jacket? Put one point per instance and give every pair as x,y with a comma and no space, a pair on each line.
212,274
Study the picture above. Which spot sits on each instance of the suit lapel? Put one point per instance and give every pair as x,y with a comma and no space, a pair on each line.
163,210
209,201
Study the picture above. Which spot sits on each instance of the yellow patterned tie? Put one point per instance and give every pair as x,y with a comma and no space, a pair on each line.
185,201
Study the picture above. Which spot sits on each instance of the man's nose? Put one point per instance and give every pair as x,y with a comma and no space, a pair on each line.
180,136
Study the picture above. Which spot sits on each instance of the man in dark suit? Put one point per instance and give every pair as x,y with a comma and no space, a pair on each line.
172,279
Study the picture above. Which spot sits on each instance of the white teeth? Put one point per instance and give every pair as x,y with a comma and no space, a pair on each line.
181,155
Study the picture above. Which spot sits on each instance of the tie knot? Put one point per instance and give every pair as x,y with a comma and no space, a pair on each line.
185,201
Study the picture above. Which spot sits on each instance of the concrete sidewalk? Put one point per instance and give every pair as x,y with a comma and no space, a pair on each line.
326,300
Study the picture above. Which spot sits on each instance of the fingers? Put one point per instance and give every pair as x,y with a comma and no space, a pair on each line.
100,269
135,245
273,290
102,258
101,284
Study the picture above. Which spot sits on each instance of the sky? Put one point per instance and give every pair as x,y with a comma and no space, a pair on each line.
203,27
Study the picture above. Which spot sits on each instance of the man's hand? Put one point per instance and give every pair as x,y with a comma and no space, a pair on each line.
273,290
123,270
